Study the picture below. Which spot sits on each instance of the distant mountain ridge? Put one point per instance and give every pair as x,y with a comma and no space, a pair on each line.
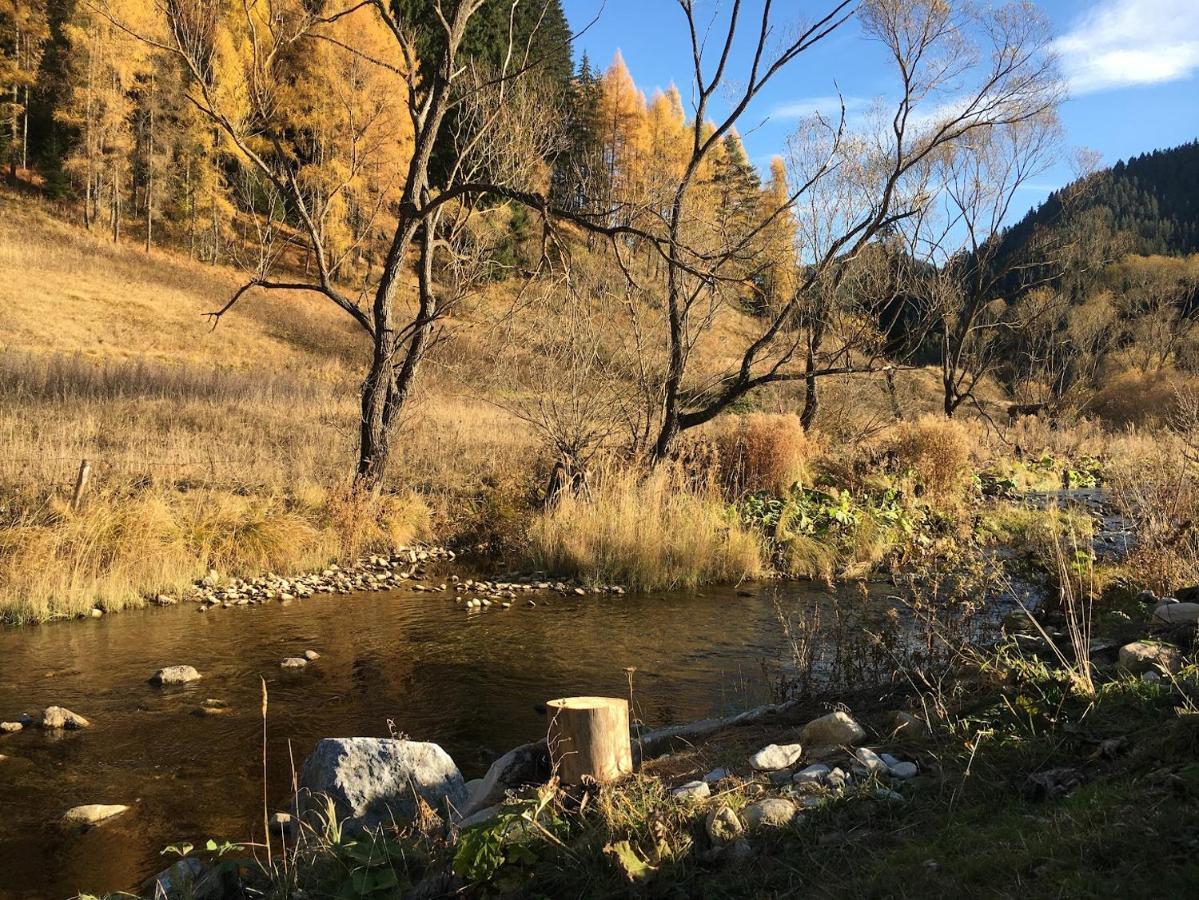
1153,199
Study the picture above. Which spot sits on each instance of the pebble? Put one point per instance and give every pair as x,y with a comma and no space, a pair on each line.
776,756
294,662
904,770
815,773
716,775
92,813
692,790
10,727
311,655
175,675
870,760
773,812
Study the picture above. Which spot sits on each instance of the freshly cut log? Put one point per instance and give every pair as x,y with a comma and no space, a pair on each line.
589,739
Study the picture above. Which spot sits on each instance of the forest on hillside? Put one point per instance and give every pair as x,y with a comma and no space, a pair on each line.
401,159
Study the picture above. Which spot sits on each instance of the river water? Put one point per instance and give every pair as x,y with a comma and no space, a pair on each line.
415,663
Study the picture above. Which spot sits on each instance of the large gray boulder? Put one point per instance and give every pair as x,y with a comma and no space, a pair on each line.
1177,613
373,781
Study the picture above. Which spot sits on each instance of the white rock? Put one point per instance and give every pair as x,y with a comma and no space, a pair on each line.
716,775
311,655
175,675
58,717
776,756
815,773
692,791
91,814
294,662
10,727
834,730
771,812
870,760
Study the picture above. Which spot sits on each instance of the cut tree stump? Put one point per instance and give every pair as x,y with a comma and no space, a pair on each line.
589,739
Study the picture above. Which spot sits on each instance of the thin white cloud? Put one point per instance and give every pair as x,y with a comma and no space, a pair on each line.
829,107
1121,43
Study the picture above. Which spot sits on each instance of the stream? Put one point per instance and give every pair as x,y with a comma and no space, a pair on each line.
396,662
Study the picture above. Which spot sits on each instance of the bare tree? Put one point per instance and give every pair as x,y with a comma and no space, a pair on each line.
961,72
431,225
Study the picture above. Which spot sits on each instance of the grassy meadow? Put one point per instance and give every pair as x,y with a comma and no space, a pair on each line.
232,448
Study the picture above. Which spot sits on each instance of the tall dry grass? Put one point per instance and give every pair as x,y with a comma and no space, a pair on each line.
753,452
937,451
649,532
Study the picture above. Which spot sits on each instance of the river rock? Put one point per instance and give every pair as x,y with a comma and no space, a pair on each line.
692,791
187,879
10,727
813,774
294,662
175,675
904,770
1177,613
92,814
716,775
837,729
311,655
372,780
773,812
1147,656
212,707
482,817
723,826
776,756
59,717
871,761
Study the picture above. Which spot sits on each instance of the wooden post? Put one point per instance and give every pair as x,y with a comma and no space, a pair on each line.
589,739
85,473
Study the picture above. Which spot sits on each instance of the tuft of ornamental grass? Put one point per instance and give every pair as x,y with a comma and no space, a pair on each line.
647,532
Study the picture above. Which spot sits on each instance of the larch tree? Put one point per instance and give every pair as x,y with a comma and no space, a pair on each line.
24,28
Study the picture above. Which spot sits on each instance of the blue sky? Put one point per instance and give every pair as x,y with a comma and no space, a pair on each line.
1132,67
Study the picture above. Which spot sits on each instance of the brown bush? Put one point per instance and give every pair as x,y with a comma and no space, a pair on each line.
937,451
1142,398
741,454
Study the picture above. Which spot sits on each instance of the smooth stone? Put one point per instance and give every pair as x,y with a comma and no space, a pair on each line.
716,775
890,760
904,770
175,675
813,774
10,727
723,826
692,790
482,817
870,760
311,655
185,880
294,662
91,813
773,812
1177,613
372,781
1149,656
776,756
58,717
837,729
526,764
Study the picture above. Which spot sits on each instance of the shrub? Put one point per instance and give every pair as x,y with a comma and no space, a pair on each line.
754,452
645,532
937,453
